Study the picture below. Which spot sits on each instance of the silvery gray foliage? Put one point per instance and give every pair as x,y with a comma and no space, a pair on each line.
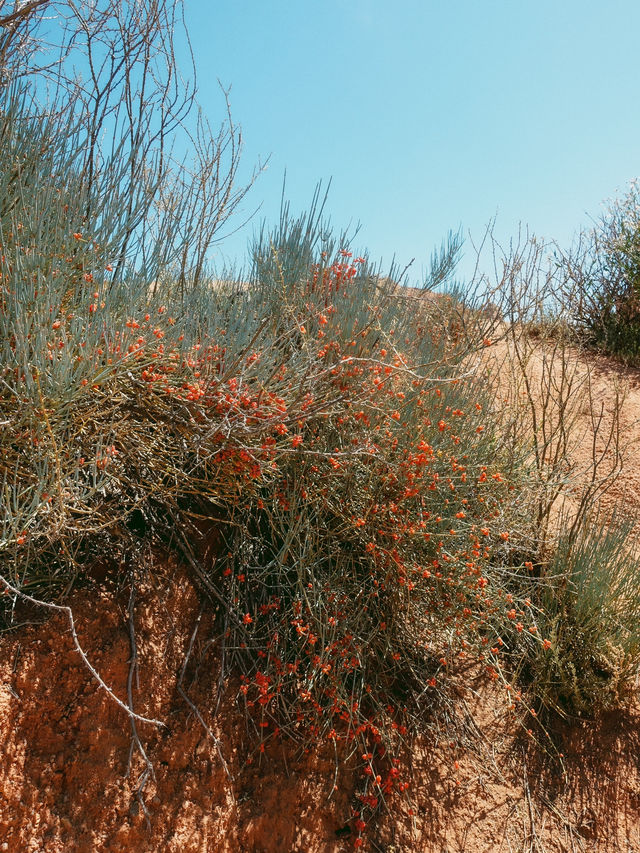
113,189
600,277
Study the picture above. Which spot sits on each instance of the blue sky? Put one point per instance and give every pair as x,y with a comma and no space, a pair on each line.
428,115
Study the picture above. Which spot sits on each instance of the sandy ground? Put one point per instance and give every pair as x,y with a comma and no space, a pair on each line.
67,782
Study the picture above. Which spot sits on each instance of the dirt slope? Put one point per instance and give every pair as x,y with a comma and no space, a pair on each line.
66,783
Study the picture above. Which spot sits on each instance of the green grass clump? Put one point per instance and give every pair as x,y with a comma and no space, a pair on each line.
587,606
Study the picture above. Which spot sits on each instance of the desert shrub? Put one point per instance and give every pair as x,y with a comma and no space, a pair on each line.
579,574
344,569
602,279
332,426
586,605
87,230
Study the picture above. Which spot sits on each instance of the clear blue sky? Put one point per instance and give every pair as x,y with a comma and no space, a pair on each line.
428,115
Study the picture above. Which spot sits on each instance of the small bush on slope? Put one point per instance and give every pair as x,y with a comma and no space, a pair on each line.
587,605
602,280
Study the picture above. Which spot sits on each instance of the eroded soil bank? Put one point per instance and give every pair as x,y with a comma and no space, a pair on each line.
66,783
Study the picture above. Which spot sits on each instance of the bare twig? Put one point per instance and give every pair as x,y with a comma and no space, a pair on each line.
215,740
148,772
60,608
